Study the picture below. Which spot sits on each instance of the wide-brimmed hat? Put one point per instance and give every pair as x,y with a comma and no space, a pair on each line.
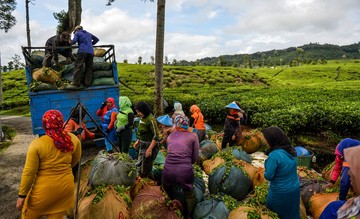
233,105
165,120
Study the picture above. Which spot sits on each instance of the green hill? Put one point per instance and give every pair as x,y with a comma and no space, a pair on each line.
306,54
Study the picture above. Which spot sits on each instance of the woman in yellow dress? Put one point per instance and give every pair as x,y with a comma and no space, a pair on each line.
47,183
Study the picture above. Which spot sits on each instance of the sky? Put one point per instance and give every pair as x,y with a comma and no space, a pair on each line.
194,29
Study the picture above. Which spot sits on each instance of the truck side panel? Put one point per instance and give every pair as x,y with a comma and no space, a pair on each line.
64,101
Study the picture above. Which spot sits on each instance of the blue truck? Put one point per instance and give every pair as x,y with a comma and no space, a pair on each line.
65,99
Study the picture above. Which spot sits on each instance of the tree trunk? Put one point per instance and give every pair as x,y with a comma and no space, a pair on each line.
27,24
159,55
74,13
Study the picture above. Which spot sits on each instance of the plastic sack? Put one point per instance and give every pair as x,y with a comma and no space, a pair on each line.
234,183
110,169
210,209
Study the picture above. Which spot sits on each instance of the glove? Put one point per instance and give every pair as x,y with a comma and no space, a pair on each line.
103,105
78,131
108,130
120,128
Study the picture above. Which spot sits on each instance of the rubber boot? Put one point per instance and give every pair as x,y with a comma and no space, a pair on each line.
189,204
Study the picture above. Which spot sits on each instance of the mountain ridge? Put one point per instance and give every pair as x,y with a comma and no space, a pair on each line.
307,53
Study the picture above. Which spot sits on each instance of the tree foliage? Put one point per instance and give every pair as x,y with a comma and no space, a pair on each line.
7,20
63,21
306,54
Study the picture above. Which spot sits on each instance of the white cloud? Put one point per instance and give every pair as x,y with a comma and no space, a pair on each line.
196,29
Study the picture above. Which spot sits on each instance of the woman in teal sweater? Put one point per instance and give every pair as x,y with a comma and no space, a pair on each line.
281,171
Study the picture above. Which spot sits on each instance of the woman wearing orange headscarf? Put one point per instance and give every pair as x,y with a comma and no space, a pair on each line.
47,183
197,122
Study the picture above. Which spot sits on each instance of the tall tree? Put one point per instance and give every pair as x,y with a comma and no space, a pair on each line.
70,19
28,23
159,56
7,20
74,14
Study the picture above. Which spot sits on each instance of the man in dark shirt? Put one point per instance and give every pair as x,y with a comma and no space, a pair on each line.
51,52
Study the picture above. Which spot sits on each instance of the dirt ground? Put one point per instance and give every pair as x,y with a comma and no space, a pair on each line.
12,162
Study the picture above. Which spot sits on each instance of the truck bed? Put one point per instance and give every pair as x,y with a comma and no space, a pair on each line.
65,99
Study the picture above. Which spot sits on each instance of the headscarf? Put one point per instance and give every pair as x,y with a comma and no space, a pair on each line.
125,104
277,139
347,143
143,108
233,111
53,122
112,101
178,108
194,109
181,123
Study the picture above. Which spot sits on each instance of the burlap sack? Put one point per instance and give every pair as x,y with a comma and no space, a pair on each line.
46,75
111,205
250,169
318,203
210,165
99,52
250,141
259,177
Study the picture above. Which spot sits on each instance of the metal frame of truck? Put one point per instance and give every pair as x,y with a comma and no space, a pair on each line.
64,100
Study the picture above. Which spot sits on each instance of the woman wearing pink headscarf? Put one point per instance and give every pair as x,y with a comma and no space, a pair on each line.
47,182
108,113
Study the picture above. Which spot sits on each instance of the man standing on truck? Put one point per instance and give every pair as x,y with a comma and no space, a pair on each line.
51,52
85,54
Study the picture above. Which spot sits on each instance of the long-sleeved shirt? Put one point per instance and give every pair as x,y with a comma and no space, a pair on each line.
55,41
232,124
148,129
340,160
108,116
85,40
47,178
182,153
73,126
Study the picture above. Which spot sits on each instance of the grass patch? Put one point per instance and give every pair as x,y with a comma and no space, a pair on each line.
9,135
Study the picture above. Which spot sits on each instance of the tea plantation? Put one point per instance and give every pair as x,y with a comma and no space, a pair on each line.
308,101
